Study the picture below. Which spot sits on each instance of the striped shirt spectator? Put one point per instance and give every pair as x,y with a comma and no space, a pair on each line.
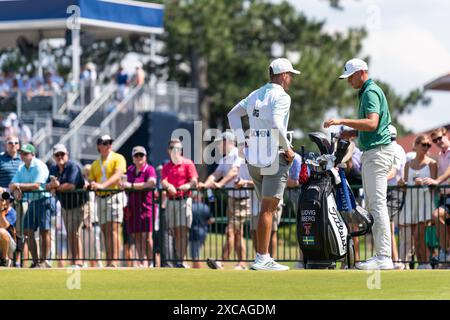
9,161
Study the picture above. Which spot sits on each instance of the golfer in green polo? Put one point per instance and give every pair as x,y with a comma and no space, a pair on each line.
377,159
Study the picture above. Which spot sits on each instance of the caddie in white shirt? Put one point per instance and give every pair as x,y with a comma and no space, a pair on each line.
268,111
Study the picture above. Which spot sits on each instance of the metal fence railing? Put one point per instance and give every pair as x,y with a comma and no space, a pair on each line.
144,228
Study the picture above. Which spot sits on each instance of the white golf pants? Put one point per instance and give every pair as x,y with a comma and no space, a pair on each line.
376,164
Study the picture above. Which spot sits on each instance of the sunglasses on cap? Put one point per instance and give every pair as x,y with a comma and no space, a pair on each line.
59,154
175,148
13,142
139,155
437,139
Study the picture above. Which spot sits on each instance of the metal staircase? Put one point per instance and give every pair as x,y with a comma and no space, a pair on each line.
120,119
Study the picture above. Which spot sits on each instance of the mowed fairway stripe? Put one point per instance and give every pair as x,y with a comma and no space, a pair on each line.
223,284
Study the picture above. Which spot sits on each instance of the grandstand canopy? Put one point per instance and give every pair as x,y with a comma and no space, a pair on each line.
100,19
441,83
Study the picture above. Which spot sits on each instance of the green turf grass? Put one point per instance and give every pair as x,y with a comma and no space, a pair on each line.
222,284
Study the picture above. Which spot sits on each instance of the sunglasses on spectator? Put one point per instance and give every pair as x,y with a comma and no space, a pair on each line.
13,142
24,153
426,145
59,155
437,139
105,143
139,155
175,148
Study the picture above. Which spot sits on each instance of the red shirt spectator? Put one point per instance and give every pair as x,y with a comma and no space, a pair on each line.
179,174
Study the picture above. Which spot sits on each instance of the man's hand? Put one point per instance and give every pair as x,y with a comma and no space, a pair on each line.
217,185
331,122
52,185
240,184
241,147
430,182
124,185
185,187
96,186
289,155
171,190
201,185
17,194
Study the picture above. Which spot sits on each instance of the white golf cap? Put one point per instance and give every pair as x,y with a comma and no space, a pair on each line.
352,66
282,65
105,138
138,149
57,148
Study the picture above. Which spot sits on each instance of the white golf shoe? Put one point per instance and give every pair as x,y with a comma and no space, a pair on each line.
376,263
268,265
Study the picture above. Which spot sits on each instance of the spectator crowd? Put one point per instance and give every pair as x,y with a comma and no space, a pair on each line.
110,211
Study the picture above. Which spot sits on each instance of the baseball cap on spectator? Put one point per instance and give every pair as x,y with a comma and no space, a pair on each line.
352,66
282,65
393,132
138,149
227,135
27,148
104,139
59,148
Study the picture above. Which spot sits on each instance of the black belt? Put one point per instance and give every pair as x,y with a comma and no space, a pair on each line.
106,196
243,198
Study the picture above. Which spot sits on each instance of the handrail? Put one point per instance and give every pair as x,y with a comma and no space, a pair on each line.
120,106
92,107
71,98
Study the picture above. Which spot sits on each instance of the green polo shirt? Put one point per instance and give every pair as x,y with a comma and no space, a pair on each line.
373,100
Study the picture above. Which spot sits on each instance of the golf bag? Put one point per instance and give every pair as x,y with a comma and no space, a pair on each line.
326,208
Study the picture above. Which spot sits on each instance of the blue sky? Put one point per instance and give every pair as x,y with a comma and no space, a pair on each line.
408,43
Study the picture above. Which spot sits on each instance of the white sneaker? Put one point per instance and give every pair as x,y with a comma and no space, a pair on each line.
299,265
376,263
424,266
45,264
268,265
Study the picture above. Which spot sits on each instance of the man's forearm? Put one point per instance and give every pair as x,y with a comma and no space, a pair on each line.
28,186
66,187
360,124
113,180
234,119
392,174
444,177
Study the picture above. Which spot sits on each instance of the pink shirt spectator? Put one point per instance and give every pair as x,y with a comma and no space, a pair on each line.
443,164
140,203
179,174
